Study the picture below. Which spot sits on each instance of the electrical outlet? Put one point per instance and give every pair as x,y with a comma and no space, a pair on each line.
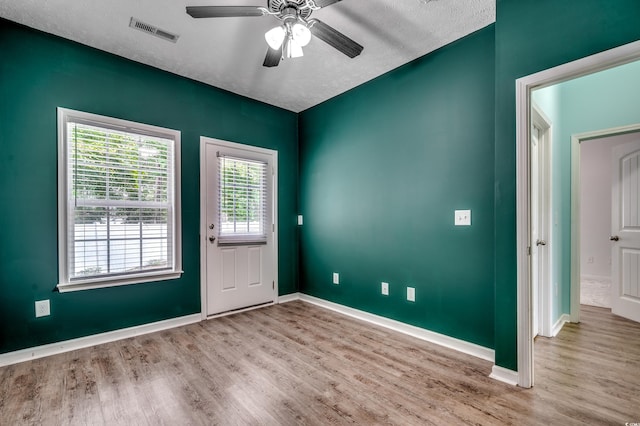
590,260
336,278
411,294
43,308
462,218
385,288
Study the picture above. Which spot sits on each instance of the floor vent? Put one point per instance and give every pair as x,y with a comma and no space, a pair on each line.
150,29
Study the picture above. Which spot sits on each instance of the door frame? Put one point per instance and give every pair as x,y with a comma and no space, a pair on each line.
576,201
524,86
204,141
545,140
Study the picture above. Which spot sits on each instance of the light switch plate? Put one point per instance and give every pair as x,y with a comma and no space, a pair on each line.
463,217
385,288
336,278
299,219
411,294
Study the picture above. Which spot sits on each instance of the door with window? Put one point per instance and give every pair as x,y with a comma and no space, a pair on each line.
239,225
625,231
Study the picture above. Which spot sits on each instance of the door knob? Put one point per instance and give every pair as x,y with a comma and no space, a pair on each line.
541,243
212,239
614,238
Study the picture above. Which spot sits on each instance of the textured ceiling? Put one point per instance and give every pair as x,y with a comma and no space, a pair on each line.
228,52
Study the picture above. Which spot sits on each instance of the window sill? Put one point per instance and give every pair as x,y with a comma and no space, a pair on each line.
111,282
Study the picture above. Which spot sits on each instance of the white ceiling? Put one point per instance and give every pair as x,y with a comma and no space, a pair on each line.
228,52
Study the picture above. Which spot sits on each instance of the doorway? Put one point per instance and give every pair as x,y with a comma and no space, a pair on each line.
524,87
606,215
595,221
238,211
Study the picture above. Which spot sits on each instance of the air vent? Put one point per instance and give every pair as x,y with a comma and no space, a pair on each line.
150,29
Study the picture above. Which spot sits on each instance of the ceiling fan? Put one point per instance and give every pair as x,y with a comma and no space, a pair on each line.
288,39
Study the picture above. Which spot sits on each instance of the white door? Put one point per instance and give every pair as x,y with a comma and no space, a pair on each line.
535,229
540,230
239,225
625,231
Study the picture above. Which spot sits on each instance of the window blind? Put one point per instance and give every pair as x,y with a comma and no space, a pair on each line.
120,201
242,201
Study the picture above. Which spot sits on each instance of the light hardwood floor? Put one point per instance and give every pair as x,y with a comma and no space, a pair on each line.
295,364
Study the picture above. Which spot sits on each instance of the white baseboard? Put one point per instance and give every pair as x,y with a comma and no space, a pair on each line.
420,333
504,375
96,339
564,318
289,298
481,352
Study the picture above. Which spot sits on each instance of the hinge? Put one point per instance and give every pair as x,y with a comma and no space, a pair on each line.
529,250
273,227
273,285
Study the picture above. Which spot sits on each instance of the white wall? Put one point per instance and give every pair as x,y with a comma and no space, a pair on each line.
595,197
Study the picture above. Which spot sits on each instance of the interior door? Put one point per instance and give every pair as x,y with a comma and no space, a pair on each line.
625,231
239,237
535,229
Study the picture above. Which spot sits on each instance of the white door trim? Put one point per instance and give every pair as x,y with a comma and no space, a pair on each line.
576,140
204,141
588,65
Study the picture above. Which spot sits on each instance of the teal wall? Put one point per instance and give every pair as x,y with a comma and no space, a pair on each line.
382,169
533,35
598,101
38,73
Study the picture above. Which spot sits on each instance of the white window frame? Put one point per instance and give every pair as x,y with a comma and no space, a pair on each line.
66,284
234,238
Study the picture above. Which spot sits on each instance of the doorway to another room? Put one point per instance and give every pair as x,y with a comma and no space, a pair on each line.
609,220
562,245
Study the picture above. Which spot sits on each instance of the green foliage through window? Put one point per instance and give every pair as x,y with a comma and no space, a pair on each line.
242,197
120,200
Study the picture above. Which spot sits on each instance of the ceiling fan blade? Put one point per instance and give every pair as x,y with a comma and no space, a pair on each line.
325,3
334,38
273,57
224,11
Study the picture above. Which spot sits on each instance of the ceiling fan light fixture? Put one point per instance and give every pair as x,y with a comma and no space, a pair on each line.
296,29
301,34
292,49
275,37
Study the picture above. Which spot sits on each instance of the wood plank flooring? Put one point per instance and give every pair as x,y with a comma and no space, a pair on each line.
297,364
